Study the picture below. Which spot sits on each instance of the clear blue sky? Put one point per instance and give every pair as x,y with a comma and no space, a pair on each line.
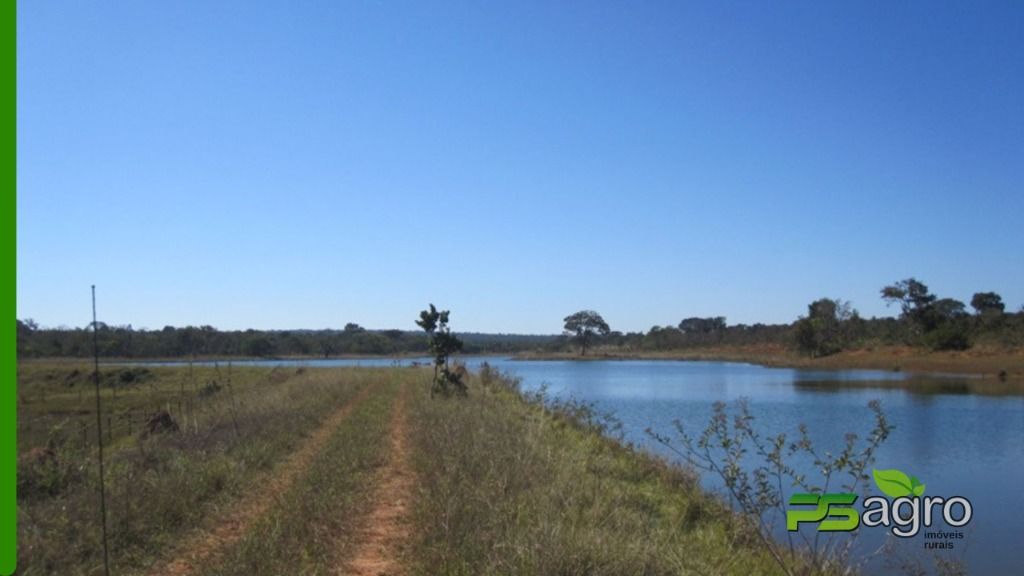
307,164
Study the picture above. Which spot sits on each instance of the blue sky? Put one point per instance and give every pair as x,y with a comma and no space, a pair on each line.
307,164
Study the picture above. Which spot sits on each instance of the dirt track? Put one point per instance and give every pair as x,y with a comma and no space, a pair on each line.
382,533
205,547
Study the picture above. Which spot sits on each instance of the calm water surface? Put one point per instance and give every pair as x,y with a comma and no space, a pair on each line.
957,444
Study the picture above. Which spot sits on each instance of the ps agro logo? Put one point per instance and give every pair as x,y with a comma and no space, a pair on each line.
906,514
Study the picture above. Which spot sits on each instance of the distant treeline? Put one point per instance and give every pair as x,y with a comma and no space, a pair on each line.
171,342
830,325
819,338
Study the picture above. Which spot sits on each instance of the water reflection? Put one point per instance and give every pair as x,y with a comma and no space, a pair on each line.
918,386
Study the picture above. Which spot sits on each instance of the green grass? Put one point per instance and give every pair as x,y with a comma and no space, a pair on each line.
510,488
312,527
158,488
56,400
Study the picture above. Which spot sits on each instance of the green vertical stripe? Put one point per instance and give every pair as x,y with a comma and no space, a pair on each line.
8,335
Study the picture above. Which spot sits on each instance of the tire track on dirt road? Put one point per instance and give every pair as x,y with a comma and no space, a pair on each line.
383,531
203,548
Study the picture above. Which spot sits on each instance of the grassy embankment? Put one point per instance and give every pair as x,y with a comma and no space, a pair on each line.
278,474
508,487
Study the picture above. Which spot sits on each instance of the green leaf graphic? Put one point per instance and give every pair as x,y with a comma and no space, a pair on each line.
916,486
893,483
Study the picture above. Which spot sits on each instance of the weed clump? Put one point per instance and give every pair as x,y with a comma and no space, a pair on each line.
160,423
44,471
209,389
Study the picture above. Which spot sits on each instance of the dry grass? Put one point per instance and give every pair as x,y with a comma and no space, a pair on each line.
313,528
162,486
508,487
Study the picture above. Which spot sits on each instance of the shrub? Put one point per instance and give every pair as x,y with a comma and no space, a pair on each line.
755,490
950,335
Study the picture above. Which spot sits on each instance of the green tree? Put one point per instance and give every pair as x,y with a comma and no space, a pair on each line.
946,325
947,309
702,331
442,344
702,325
941,323
913,297
988,303
824,330
583,325
259,346
26,329
370,343
328,344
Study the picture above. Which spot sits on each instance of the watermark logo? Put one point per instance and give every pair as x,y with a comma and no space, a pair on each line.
896,484
905,510
834,512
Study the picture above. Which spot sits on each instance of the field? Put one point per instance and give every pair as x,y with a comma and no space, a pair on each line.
345,471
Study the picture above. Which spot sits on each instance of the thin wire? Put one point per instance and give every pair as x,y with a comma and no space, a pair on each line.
99,431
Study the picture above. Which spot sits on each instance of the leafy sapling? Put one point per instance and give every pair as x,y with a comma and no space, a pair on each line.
442,344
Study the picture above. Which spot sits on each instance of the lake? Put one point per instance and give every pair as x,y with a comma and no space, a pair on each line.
957,443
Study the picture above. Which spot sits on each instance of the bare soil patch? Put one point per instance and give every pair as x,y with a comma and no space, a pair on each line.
383,532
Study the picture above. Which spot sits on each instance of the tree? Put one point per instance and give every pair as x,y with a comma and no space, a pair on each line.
663,338
442,345
948,309
702,331
352,327
370,343
823,330
583,325
27,325
912,296
916,303
702,325
951,335
946,325
26,328
940,322
987,303
327,343
259,346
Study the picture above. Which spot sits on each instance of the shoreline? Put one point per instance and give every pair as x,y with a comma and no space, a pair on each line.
985,364
982,363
